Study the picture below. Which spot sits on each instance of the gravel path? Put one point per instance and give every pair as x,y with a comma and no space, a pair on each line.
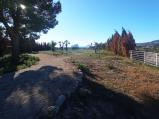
28,93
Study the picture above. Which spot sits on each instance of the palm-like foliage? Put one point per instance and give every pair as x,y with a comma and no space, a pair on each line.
66,43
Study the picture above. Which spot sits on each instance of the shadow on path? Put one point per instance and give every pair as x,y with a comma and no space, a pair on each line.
94,101
28,94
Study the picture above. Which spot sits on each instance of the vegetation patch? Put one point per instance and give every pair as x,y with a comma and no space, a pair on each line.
111,66
6,64
84,69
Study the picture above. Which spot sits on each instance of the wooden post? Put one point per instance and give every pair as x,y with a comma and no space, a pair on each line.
144,57
156,60
130,54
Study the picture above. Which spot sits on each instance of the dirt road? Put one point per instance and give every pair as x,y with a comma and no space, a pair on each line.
28,93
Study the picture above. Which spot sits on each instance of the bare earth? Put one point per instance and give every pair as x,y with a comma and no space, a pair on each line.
28,93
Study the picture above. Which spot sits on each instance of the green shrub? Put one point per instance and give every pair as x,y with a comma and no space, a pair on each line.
21,67
29,63
84,69
6,64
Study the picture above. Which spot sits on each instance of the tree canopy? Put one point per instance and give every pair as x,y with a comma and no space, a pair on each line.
26,19
121,44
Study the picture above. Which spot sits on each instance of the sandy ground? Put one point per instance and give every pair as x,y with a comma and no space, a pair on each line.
28,93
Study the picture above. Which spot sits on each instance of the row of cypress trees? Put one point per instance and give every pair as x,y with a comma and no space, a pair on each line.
121,44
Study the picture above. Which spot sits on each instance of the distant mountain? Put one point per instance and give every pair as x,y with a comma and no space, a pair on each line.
149,44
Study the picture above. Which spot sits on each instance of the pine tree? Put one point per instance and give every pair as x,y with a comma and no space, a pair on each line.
21,18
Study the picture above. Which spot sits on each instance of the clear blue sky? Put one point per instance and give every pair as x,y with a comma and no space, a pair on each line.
86,21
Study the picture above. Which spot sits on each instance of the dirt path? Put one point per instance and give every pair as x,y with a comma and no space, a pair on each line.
28,93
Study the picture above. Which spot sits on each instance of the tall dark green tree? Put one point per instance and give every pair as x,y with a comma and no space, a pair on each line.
53,44
4,42
23,19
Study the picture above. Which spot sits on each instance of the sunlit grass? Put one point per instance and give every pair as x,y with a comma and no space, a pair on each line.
121,74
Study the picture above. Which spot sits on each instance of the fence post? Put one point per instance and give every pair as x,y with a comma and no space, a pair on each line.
130,54
144,57
156,60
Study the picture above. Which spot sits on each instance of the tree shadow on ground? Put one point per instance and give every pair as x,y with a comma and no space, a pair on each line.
94,101
151,106
28,94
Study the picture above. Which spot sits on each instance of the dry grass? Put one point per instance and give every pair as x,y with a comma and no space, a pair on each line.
122,75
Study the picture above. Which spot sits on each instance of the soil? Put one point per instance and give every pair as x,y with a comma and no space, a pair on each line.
93,101
28,93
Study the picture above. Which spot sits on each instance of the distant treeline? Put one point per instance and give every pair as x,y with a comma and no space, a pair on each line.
26,46
30,45
121,44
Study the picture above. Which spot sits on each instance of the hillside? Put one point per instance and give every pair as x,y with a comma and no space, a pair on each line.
148,44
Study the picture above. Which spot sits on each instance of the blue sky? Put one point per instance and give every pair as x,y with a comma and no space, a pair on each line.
87,21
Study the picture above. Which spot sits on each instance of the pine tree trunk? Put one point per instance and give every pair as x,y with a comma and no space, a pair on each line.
15,46
15,49
14,36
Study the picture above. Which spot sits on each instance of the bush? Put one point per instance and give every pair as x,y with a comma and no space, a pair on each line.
84,69
6,64
21,67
